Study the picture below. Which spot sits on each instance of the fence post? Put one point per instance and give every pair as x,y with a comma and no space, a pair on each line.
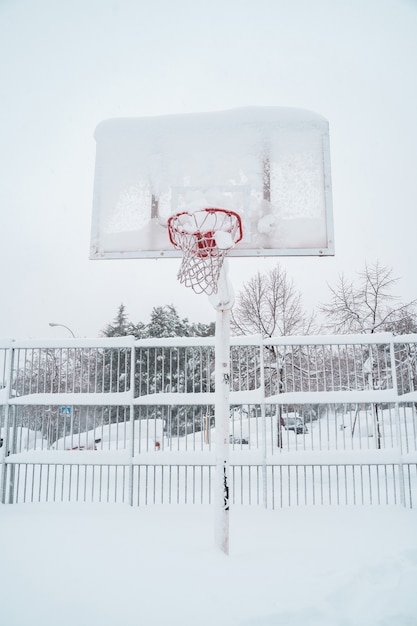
398,422
4,469
8,391
263,418
132,421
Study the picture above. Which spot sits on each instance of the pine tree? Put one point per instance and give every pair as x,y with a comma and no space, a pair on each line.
191,364
165,322
120,326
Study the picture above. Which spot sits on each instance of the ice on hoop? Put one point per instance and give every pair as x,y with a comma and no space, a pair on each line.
224,240
269,164
188,225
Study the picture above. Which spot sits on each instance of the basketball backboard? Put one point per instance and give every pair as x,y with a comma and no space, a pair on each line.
269,164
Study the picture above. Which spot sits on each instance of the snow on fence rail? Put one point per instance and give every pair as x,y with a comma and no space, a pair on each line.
313,420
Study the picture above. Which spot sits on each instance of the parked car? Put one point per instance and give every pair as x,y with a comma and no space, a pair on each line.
238,440
295,424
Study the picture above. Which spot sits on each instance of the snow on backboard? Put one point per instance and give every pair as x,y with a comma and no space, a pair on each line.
269,164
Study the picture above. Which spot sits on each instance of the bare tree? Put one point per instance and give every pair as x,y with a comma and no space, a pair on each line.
368,304
270,305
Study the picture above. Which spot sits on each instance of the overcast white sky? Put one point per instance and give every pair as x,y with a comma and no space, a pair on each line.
65,66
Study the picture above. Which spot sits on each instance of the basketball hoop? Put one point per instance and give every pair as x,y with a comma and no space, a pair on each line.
205,237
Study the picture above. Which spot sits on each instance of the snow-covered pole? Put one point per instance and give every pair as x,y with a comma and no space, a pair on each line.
221,412
222,302
205,236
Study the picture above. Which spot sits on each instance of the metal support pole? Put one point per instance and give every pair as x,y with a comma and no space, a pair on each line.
222,302
222,410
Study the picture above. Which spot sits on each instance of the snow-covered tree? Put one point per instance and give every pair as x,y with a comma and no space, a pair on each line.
368,304
120,325
161,369
270,305
164,322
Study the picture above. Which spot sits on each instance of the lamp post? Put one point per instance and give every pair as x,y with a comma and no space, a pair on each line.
62,326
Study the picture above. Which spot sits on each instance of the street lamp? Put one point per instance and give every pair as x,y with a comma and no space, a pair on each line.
62,326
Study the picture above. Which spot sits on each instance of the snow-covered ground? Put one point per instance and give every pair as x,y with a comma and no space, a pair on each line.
107,565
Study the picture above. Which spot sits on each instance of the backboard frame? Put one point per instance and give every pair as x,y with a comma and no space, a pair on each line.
117,139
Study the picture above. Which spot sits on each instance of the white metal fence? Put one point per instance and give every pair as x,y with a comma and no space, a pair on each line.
313,420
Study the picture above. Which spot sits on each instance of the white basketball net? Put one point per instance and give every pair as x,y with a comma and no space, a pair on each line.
205,237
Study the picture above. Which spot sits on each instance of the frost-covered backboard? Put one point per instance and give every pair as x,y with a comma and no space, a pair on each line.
269,164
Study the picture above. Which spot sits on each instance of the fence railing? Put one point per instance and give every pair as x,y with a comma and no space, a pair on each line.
313,420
